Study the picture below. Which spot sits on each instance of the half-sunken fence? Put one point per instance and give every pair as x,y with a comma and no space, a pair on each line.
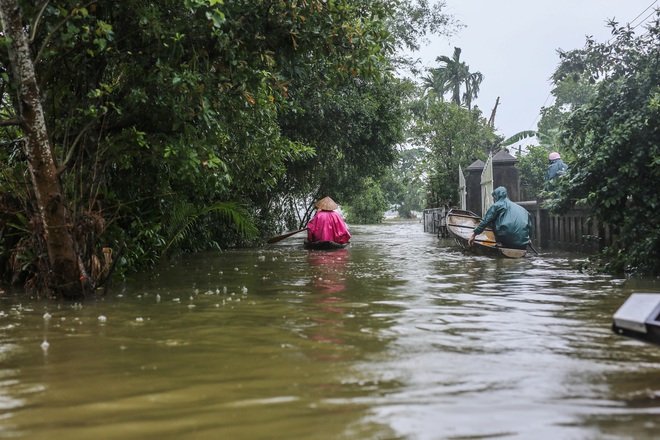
435,221
572,231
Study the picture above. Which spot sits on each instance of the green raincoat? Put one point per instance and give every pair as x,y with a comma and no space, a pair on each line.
511,223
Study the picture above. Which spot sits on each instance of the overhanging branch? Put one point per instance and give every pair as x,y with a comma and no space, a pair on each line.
10,122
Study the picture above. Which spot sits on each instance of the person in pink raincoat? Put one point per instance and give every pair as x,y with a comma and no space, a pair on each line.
327,225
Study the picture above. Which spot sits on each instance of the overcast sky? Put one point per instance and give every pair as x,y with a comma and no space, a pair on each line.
514,43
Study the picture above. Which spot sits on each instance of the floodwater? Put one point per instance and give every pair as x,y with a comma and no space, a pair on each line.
399,336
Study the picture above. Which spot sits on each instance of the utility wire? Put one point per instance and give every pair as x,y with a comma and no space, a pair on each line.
644,21
640,14
537,116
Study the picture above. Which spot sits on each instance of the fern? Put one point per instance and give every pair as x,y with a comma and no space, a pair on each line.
184,216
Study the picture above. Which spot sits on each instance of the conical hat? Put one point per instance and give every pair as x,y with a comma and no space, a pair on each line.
326,204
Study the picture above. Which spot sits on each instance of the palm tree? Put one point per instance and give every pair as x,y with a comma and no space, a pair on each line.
433,86
450,76
472,88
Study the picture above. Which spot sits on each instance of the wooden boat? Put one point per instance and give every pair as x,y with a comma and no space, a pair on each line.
461,224
324,245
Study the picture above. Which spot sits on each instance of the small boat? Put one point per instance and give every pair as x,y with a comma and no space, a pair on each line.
324,245
461,224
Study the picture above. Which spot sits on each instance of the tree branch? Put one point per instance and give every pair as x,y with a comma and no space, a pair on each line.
56,28
35,25
10,122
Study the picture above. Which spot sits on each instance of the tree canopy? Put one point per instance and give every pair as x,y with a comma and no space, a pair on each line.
187,125
452,135
451,77
614,141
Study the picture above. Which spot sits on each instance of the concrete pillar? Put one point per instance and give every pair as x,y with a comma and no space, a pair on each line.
506,174
473,186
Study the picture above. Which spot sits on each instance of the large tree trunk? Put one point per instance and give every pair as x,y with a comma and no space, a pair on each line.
66,278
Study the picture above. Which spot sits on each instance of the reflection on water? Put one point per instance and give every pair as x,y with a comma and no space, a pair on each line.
328,280
400,335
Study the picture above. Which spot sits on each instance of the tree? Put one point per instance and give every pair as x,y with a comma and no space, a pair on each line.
403,186
354,128
532,167
472,83
451,136
614,140
369,207
409,25
451,76
570,92
164,117
68,278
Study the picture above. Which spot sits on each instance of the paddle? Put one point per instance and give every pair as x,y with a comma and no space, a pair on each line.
283,236
532,248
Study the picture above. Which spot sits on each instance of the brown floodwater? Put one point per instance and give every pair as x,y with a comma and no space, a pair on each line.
399,336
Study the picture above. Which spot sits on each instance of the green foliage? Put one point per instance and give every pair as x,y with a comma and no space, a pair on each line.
354,128
368,206
413,20
452,136
159,110
451,76
402,185
615,143
570,92
183,218
413,199
532,168
518,137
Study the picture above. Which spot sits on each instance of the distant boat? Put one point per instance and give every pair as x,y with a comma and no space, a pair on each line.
324,245
461,224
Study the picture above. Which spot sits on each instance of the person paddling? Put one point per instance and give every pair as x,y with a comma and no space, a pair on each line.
327,224
511,223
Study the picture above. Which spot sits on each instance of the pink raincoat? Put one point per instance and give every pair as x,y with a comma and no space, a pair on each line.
327,226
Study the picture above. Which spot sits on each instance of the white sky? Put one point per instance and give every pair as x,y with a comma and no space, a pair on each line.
513,43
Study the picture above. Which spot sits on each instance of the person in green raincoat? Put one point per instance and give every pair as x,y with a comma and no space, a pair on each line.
511,223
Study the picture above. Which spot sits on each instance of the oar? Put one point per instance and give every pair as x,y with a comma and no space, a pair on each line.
283,236
532,248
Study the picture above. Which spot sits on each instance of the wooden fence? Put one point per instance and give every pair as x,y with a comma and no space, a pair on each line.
573,231
435,221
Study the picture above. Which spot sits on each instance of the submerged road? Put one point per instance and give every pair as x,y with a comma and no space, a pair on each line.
399,336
